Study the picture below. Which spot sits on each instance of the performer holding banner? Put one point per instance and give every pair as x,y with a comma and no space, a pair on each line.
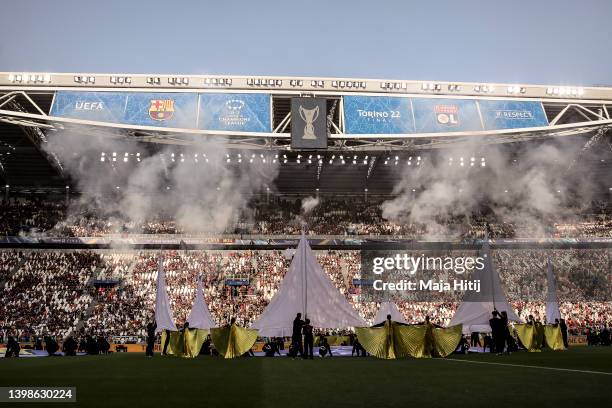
395,340
188,341
233,341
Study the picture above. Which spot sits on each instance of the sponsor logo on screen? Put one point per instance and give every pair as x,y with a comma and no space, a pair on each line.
89,106
513,114
232,115
379,116
447,114
161,109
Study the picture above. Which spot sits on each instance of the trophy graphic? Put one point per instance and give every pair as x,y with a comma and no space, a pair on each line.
309,116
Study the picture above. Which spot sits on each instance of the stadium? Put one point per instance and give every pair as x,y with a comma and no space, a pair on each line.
111,178
312,236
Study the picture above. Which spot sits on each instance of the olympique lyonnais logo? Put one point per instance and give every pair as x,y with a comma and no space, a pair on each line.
447,114
161,109
513,114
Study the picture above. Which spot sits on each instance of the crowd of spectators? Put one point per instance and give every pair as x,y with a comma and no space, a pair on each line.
112,293
9,260
49,292
337,216
18,216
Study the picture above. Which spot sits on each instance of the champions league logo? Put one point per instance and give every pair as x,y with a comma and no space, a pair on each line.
161,109
232,113
447,114
234,105
309,116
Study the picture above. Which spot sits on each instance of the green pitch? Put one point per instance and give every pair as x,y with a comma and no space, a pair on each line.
132,380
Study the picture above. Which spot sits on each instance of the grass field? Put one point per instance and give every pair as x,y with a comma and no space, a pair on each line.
131,380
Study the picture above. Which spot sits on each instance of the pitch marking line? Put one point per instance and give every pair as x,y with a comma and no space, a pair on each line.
528,366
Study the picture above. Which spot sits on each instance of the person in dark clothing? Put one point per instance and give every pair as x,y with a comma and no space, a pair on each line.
496,332
271,348
475,339
70,346
604,337
12,348
205,349
358,348
102,345
464,346
488,342
563,327
505,333
166,343
150,338
324,348
82,345
51,345
296,336
92,346
308,339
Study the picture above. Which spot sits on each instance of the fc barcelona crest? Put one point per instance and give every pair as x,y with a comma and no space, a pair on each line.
161,109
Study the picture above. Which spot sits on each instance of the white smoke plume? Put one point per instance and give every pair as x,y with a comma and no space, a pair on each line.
207,196
525,187
309,204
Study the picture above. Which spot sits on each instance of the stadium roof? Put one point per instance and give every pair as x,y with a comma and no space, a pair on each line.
579,114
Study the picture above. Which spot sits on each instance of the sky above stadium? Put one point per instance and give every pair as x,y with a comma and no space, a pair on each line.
563,42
